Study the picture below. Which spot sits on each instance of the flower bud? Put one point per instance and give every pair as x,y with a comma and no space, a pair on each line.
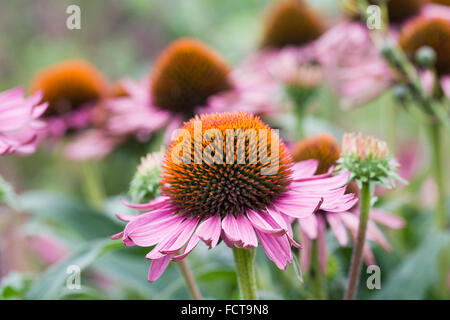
146,181
368,160
426,57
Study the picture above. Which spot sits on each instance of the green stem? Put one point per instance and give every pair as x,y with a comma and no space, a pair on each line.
92,185
440,215
245,270
190,280
355,267
435,141
318,281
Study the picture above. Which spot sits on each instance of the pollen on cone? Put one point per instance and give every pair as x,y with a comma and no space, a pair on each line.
186,74
209,188
323,148
432,32
291,23
68,85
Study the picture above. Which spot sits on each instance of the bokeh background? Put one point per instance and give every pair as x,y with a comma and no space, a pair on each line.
122,38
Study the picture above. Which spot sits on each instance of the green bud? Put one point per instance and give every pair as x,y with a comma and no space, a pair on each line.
401,92
145,184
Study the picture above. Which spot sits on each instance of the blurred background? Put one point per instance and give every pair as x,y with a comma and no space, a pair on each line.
122,38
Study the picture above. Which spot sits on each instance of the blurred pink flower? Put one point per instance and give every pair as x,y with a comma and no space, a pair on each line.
341,222
91,144
135,113
258,81
434,10
352,64
49,249
19,123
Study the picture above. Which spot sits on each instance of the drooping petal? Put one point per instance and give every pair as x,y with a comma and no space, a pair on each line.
209,230
240,230
337,227
157,267
387,219
264,222
322,244
309,226
277,248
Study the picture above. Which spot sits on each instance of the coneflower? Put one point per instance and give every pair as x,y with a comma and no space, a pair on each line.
326,150
20,126
430,32
220,183
185,75
72,89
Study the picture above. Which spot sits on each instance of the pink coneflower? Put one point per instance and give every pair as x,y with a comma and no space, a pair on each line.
241,203
325,149
74,90
19,121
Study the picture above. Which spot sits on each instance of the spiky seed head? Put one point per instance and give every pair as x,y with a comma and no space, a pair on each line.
204,188
323,148
291,23
186,74
68,85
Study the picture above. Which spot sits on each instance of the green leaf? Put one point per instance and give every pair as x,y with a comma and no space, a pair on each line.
63,210
50,285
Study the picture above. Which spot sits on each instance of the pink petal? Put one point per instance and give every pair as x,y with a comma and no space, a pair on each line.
387,219
309,226
277,248
261,220
337,227
322,244
240,230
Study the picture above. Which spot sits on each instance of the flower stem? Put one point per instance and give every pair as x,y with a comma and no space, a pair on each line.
189,279
440,216
318,281
355,267
92,185
435,141
245,270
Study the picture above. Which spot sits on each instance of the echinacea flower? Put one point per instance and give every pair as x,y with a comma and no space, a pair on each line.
20,125
185,75
326,150
432,32
291,23
231,189
73,90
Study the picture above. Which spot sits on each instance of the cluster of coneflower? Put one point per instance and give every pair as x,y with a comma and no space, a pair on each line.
315,185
